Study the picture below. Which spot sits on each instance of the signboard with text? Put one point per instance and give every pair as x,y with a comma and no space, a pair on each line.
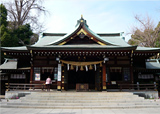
59,72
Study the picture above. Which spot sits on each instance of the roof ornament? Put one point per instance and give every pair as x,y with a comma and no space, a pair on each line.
81,21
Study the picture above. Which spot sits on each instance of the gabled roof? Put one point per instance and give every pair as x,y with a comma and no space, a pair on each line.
102,38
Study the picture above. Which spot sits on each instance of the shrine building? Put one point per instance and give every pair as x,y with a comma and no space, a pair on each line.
81,60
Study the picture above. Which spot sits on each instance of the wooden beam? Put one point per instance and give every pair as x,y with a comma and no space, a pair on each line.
104,77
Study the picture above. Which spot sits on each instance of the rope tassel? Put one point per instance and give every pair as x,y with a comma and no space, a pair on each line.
72,68
100,64
90,67
81,68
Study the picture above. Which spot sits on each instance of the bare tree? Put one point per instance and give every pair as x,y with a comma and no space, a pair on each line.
21,12
146,34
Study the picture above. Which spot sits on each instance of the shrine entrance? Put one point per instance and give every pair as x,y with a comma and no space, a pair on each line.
81,77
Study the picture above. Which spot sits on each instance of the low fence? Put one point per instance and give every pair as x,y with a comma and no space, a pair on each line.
20,86
138,86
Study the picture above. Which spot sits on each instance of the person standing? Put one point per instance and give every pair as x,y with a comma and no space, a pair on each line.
48,83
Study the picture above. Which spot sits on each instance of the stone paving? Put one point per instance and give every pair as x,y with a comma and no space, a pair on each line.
79,111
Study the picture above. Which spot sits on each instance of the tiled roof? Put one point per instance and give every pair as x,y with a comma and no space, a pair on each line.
104,47
152,65
20,48
9,64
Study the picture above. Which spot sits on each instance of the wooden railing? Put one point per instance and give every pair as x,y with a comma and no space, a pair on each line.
138,86
20,86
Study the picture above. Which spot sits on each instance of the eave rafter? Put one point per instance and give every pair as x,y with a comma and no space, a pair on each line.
81,53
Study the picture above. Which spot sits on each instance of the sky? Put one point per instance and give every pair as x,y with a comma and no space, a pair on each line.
103,16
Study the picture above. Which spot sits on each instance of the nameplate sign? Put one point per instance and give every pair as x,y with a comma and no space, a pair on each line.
59,72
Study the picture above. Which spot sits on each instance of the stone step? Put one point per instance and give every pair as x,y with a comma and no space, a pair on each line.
83,98
81,104
91,98
81,107
85,93
77,96
82,94
86,101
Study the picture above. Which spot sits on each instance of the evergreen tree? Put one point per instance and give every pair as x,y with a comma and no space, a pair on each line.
3,15
13,37
8,41
7,38
24,34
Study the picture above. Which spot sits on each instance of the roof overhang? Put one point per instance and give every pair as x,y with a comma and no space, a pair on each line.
147,49
15,49
9,64
82,47
152,65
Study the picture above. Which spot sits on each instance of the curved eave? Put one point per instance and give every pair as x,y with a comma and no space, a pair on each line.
15,49
82,47
152,65
147,49
64,38
97,36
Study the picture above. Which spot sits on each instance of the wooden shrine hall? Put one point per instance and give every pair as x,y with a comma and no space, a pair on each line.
80,60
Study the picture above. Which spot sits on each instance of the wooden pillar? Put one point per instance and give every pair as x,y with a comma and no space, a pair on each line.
31,74
131,68
104,77
58,85
62,78
131,73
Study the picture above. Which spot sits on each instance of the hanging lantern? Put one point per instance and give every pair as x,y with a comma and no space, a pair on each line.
100,64
72,68
90,67
81,68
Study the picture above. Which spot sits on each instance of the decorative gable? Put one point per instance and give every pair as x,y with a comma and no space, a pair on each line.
81,35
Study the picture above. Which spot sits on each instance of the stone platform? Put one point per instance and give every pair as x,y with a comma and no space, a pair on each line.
81,100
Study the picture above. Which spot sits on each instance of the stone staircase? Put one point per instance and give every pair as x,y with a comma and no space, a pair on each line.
81,100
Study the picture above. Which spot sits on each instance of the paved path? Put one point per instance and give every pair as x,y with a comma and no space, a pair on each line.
79,111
